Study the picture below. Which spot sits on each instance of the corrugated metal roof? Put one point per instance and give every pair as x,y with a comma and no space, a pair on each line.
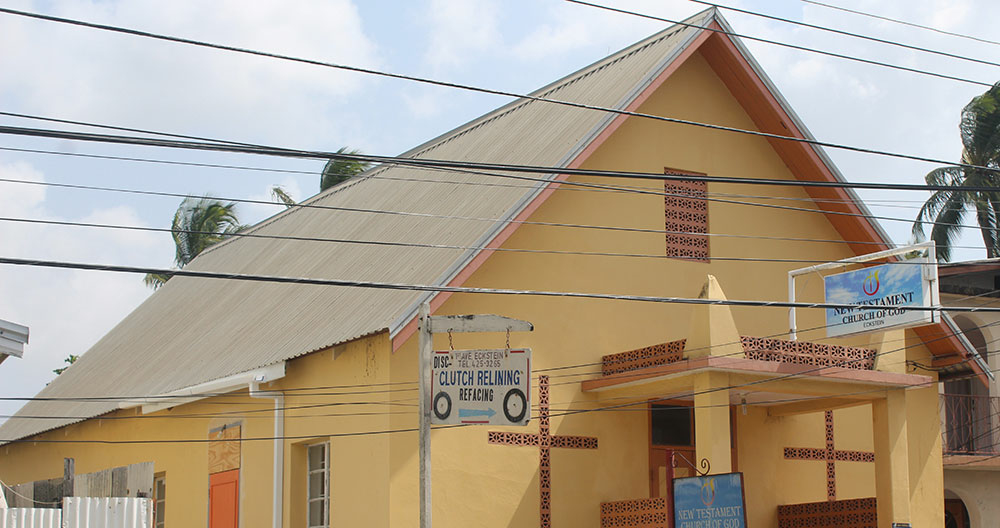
197,330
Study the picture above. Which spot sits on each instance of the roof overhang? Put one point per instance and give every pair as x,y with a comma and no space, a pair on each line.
13,337
205,390
782,388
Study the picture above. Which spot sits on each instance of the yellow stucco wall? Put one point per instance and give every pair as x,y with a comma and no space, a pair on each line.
374,479
324,399
569,332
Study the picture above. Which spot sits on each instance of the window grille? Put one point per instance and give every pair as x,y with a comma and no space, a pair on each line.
686,218
318,506
159,501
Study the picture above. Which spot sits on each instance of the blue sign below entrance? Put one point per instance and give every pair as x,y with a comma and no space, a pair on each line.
713,501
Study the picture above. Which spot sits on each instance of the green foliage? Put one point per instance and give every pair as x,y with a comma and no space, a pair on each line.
198,224
70,360
980,133
339,170
279,194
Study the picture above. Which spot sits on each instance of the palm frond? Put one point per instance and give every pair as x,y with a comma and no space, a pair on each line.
951,176
337,171
279,194
947,224
155,280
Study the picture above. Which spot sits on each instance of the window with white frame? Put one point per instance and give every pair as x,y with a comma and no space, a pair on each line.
160,501
318,489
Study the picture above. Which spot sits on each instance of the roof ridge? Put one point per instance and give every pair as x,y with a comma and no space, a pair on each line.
492,116
564,81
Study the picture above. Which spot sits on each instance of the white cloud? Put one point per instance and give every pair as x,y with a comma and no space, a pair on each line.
66,311
461,30
91,75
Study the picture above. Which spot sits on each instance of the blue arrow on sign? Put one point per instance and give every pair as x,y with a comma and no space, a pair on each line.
469,413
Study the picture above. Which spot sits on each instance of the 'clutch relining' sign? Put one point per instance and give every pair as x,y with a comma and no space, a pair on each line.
481,387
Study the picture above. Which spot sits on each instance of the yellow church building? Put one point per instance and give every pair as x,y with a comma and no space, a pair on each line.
293,405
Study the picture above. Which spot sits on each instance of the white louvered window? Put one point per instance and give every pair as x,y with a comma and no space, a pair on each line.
319,485
160,501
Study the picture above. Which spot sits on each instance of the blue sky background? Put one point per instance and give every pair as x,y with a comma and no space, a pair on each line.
83,74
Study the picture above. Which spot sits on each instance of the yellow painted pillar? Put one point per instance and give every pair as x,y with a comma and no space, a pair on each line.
711,421
713,333
892,463
891,349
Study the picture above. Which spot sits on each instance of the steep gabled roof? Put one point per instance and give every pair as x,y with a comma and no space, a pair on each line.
193,331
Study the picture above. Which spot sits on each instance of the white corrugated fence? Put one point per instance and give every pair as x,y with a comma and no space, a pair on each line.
83,512
30,517
107,512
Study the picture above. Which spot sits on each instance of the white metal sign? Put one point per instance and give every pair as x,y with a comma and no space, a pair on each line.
883,288
481,387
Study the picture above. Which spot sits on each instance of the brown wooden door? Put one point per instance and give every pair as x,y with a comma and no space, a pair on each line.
955,514
224,499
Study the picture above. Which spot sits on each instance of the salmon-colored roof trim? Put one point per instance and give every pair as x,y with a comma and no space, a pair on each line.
754,366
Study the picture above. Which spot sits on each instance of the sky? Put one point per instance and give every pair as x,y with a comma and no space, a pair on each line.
83,74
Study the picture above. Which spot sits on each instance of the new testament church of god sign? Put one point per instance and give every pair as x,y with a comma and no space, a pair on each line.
883,288
710,501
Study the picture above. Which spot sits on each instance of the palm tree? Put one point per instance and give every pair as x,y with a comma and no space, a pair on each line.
336,171
198,223
980,130
339,170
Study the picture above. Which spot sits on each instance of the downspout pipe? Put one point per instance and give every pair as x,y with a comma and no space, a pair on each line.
279,447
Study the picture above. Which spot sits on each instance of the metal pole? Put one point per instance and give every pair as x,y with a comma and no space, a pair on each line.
426,345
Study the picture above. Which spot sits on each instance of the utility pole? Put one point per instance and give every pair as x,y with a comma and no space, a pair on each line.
427,326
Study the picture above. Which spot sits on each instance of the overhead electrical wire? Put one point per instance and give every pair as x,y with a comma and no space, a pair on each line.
905,347
577,186
901,22
436,427
785,44
627,375
848,33
546,180
417,245
503,167
462,289
491,91
568,186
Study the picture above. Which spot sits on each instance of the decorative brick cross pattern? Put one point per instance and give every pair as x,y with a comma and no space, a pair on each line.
545,442
830,455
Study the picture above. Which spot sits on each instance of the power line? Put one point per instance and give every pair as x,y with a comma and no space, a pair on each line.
562,367
902,22
503,167
462,289
402,430
570,185
849,33
452,165
417,245
504,93
785,44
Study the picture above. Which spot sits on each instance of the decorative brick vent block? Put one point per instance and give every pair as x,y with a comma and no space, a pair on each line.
830,455
685,208
806,353
640,513
640,358
851,513
544,441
